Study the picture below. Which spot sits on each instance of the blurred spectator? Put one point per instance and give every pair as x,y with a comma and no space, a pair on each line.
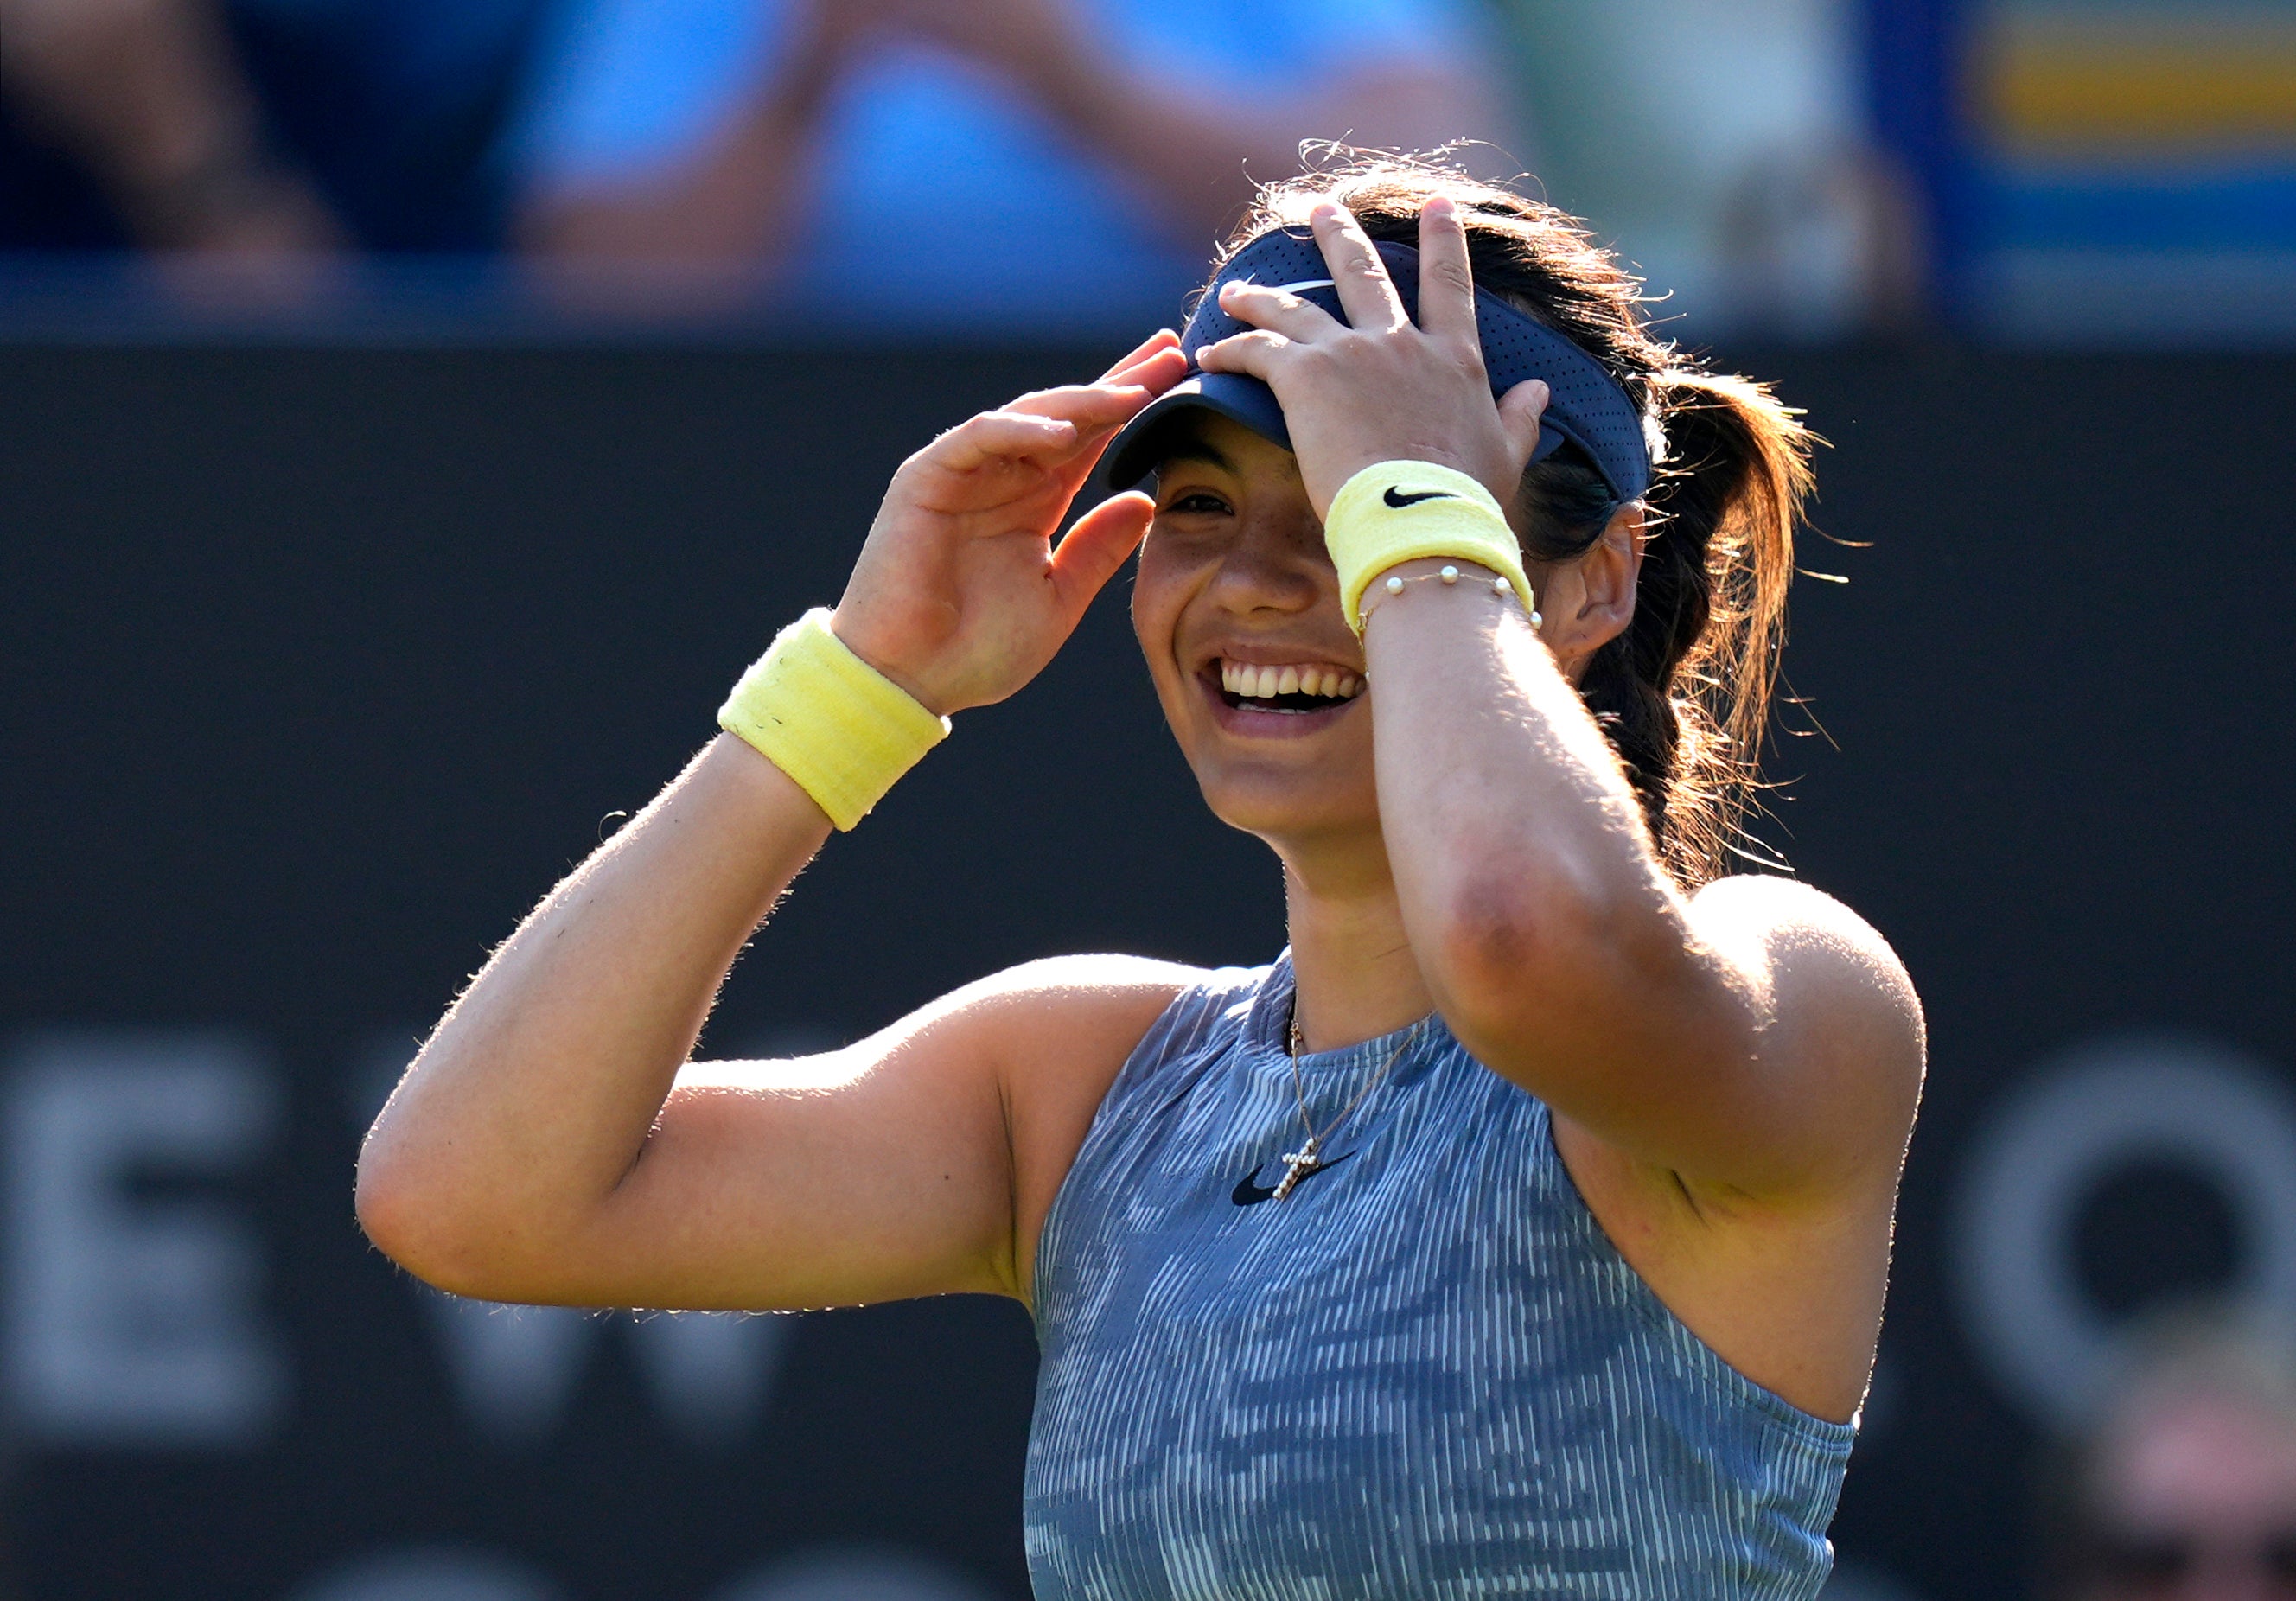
257,129
1725,149
918,159
151,98
2185,1489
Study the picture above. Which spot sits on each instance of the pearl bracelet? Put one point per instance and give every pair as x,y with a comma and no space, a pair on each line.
1502,586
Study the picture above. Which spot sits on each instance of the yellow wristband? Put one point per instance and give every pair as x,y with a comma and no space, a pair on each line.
841,729
1397,512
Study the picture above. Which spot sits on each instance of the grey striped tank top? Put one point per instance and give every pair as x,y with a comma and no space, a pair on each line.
1425,1373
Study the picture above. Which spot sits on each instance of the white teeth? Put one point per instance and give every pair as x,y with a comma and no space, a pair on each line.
1259,682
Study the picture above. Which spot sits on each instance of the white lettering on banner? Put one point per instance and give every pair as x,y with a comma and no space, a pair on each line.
711,1372
131,1321
514,1367
2229,1120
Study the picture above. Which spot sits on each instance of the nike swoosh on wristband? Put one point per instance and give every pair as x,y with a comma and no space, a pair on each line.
1399,501
1249,1194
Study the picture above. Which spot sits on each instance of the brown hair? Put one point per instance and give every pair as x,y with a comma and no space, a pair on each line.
1685,692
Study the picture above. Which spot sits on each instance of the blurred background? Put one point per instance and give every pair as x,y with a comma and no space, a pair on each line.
417,411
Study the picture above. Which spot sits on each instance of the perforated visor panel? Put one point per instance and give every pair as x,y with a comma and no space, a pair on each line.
1587,407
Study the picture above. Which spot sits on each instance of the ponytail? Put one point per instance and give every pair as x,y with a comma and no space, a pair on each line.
1710,609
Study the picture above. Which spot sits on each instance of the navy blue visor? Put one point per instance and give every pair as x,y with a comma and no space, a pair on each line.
1586,408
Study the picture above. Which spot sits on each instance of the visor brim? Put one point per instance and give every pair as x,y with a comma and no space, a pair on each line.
1132,454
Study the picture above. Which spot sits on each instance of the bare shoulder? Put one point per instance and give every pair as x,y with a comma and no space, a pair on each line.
1044,1025
1063,1026
1840,1016
965,1114
1008,1022
1063,1029
1079,988
1814,949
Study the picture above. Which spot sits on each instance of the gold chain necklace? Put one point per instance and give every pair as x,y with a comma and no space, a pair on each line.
1303,1161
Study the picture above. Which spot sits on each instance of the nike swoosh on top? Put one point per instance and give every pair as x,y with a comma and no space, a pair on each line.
1294,288
1249,1194
1399,501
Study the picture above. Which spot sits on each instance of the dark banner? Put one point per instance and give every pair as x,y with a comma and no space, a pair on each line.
317,668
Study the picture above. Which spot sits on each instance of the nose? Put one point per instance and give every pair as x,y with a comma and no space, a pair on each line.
1277,562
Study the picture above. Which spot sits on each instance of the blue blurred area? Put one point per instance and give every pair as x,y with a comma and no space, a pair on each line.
932,176
2205,212
2082,172
393,107
2100,172
397,106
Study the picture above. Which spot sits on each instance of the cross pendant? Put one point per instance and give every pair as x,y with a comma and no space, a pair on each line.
1303,1162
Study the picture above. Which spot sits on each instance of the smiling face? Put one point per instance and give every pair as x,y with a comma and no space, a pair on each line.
1237,609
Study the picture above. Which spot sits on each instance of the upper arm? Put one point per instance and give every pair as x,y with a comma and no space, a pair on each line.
894,1167
1836,1043
1758,1039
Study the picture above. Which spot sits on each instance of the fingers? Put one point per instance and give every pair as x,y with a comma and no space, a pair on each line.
1520,409
1365,292
1090,405
1069,476
1156,371
1447,280
1273,309
1096,546
1059,432
1003,436
1257,353
1163,338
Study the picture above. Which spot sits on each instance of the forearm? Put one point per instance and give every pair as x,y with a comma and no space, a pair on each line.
1552,939
1490,770
534,1097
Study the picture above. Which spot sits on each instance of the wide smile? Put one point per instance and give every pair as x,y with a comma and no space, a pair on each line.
1259,700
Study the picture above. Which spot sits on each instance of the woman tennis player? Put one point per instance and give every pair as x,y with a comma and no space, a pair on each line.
1523,1229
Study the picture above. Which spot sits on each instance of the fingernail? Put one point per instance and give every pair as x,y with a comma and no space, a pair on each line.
1441,209
1326,211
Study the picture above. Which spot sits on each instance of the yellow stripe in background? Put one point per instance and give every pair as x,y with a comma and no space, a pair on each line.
2131,88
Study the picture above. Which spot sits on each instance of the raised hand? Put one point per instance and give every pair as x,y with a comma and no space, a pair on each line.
1375,388
960,595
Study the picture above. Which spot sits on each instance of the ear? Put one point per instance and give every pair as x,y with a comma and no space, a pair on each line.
1590,600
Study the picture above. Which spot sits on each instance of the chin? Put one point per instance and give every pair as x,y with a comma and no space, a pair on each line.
1288,807
1279,778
